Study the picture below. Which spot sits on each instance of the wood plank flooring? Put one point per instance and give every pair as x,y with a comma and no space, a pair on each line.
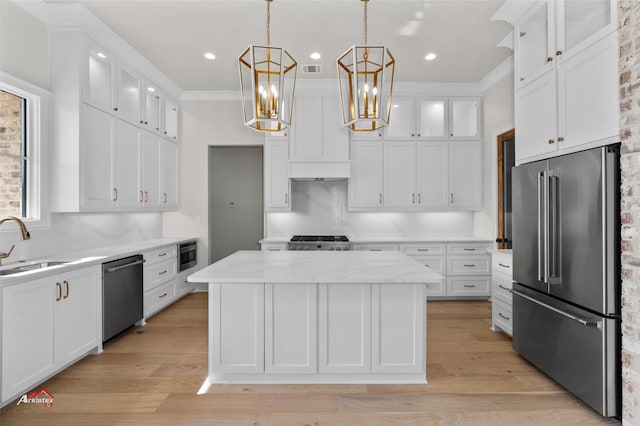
150,376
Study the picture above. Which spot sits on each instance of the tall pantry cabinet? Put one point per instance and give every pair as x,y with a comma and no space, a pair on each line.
115,133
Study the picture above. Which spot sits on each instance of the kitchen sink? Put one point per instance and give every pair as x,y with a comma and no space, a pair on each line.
31,266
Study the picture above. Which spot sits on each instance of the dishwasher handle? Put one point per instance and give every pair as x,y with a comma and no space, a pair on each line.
117,268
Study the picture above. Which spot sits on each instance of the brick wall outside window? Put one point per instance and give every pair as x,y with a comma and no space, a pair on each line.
11,143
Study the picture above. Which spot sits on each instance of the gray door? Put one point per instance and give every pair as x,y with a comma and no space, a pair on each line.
235,200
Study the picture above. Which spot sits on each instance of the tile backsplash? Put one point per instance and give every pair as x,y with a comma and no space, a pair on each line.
320,207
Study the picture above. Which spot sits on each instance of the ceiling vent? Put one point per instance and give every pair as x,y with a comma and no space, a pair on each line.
312,69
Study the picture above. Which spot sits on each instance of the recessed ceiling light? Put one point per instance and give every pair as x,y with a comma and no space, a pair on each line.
101,55
151,89
210,56
430,56
315,55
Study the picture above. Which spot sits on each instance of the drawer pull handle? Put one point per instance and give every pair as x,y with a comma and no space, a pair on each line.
504,288
59,288
470,266
469,249
162,272
423,249
66,289
469,285
163,295
374,249
162,254
503,265
502,316
274,249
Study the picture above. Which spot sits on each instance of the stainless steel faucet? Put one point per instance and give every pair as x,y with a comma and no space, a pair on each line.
23,230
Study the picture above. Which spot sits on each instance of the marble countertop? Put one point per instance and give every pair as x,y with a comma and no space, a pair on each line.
506,252
84,258
354,267
391,240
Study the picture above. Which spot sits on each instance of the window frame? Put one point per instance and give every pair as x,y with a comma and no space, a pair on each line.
38,215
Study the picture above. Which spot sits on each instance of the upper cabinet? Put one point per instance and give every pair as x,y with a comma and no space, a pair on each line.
434,118
566,77
114,133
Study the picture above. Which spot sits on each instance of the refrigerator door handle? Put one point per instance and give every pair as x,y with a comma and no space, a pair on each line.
540,216
585,322
553,248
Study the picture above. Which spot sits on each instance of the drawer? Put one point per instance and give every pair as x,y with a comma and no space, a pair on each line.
274,246
158,273
424,249
376,247
468,286
468,248
436,289
501,314
502,264
469,265
159,297
437,263
160,254
501,285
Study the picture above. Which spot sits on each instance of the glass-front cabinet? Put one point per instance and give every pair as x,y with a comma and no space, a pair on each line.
432,118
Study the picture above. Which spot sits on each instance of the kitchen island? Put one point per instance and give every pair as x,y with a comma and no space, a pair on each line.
317,317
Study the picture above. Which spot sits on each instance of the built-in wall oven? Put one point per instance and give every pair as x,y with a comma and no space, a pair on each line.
187,255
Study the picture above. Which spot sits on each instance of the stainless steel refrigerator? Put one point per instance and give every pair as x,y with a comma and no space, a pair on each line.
566,260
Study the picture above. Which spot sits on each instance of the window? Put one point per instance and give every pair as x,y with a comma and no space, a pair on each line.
22,127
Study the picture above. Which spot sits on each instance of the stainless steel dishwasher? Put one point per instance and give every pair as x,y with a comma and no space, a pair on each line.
122,295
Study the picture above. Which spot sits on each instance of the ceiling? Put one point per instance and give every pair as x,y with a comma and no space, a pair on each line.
174,35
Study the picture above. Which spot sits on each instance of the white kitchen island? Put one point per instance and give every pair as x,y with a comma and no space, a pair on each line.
317,317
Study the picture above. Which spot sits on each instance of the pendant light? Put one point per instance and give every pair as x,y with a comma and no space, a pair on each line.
365,74
267,84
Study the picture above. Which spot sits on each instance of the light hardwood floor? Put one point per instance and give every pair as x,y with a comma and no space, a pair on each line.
150,376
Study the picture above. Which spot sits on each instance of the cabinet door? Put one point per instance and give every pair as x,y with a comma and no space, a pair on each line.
170,119
150,114
397,328
536,117
127,159
77,315
433,118
236,321
128,95
149,170
465,175
306,132
335,137
277,186
400,174
365,185
100,79
433,174
27,335
98,174
464,118
534,43
290,341
169,175
402,124
588,95
580,23
344,328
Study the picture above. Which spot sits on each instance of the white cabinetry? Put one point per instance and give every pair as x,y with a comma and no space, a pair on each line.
170,167
502,283
319,145
160,270
468,270
366,186
273,246
565,55
104,117
433,256
399,174
277,185
454,118
48,323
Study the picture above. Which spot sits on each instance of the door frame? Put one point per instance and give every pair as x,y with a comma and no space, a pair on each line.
499,183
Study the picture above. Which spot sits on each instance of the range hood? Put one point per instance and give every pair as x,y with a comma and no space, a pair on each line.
319,169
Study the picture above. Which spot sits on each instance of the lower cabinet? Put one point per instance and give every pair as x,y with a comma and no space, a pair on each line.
47,324
502,282
160,269
342,331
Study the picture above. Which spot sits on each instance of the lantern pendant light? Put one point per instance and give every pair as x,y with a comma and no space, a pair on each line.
267,84
365,74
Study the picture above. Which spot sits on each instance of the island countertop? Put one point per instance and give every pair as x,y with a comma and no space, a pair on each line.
348,267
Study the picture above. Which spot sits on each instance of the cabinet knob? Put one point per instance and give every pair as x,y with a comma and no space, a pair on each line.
550,141
115,108
521,78
549,59
451,134
141,121
560,139
558,52
146,122
418,134
165,133
412,135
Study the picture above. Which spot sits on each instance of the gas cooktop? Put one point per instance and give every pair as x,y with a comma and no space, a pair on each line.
319,242
320,238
